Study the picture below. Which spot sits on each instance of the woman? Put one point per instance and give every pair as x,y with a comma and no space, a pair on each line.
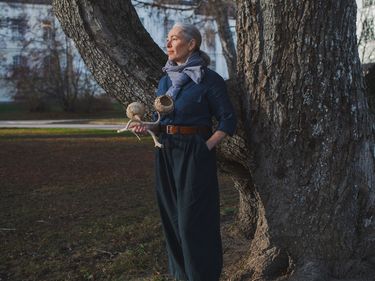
186,176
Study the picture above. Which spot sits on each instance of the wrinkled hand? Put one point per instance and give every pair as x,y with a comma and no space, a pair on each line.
215,139
139,129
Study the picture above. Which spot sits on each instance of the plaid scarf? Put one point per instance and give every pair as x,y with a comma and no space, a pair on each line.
192,69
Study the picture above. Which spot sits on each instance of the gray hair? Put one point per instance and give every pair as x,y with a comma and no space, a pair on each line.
190,32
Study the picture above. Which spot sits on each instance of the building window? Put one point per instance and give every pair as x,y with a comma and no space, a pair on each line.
368,30
19,60
210,38
3,44
212,61
18,28
367,3
4,22
16,60
47,30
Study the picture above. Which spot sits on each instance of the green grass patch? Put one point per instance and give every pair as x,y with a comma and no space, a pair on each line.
16,134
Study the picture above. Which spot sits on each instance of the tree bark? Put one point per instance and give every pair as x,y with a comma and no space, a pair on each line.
303,155
309,125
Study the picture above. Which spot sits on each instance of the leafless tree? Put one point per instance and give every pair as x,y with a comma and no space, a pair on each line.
50,71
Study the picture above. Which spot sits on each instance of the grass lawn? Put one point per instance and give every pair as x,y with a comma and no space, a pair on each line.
80,205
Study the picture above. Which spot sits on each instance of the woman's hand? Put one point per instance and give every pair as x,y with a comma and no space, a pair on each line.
210,144
215,139
139,129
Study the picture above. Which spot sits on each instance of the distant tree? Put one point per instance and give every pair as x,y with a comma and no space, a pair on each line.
26,87
53,74
303,156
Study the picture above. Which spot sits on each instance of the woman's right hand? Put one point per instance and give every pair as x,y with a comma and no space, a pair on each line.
139,129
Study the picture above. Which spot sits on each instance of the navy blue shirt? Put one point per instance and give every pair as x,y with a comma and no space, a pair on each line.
196,104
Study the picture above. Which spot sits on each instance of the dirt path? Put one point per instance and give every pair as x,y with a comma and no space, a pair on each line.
68,124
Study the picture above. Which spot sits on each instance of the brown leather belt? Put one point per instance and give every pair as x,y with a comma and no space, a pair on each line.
183,130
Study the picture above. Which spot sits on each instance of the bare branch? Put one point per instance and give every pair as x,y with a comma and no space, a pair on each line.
161,5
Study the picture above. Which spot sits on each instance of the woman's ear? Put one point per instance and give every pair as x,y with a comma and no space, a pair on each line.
192,45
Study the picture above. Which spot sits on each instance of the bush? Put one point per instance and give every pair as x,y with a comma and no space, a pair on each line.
91,103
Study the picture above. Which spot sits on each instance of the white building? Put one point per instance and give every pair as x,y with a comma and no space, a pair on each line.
26,25
23,28
32,21
366,30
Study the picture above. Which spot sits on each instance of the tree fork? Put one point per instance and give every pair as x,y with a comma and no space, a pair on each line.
303,157
123,58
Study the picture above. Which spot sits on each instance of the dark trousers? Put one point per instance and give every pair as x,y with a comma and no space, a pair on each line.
188,199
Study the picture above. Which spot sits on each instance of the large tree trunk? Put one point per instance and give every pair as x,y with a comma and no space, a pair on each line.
308,123
303,156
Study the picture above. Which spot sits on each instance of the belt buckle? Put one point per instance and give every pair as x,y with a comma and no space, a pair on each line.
169,129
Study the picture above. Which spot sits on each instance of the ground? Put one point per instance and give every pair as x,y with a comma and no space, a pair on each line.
80,205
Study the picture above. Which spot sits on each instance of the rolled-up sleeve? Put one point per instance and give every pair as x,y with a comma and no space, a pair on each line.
221,107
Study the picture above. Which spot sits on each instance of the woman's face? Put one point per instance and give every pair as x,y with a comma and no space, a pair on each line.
178,48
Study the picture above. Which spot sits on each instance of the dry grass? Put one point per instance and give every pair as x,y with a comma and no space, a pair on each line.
79,205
